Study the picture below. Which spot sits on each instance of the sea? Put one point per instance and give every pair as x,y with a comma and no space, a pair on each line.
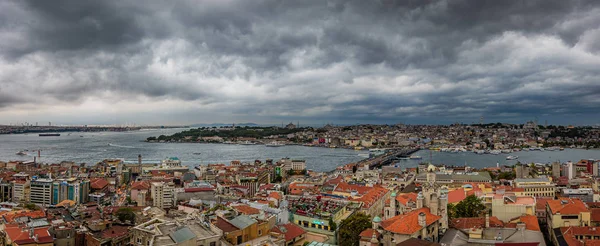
93,147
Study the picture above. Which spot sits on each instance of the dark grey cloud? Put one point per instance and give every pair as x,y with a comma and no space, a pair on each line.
269,60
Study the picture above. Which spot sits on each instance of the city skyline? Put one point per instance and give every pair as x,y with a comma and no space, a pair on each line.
345,62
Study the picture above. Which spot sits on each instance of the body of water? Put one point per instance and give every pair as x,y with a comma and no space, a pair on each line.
97,146
488,160
93,147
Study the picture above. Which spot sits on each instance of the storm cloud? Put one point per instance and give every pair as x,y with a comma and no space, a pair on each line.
266,61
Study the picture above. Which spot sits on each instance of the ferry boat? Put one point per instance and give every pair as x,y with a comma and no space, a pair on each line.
415,157
511,157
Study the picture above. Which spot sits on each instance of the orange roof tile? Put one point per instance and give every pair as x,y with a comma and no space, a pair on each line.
531,222
140,185
409,223
404,198
375,193
275,195
567,206
20,235
290,231
595,216
456,195
368,233
98,183
11,216
477,222
245,209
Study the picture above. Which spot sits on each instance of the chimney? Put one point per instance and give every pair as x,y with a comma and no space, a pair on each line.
422,220
521,226
487,220
31,232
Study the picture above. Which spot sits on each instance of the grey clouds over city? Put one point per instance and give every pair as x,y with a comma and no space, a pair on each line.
182,62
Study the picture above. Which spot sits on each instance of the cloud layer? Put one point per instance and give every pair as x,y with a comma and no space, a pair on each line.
386,61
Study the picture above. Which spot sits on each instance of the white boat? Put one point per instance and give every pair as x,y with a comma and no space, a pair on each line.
415,157
274,144
247,143
512,157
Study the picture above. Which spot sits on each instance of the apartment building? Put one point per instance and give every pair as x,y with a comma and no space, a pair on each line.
162,194
536,187
41,192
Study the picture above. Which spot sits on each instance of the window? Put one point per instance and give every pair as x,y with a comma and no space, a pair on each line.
260,232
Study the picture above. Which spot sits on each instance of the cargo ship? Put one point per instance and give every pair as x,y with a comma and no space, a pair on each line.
49,134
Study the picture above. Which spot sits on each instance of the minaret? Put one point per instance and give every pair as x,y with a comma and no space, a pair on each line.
420,199
393,207
443,208
376,221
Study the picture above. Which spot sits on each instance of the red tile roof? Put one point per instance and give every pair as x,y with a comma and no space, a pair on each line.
98,183
372,196
290,231
409,223
224,225
404,198
247,210
595,215
140,185
11,216
20,235
567,206
456,195
368,233
275,195
478,222
531,222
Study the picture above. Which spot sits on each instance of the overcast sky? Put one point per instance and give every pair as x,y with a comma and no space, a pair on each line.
345,62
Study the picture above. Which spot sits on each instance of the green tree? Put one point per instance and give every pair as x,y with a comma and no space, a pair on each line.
332,224
351,227
30,206
469,207
126,214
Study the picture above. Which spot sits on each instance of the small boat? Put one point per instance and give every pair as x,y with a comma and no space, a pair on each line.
415,157
80,136
21,153
197,153
512,157
49,134
247,143
404,158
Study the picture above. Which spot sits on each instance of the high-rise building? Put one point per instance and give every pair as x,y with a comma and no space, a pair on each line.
41,191
162,194
6,192
70,189
556,169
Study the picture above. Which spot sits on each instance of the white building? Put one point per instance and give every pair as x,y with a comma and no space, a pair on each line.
41,191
